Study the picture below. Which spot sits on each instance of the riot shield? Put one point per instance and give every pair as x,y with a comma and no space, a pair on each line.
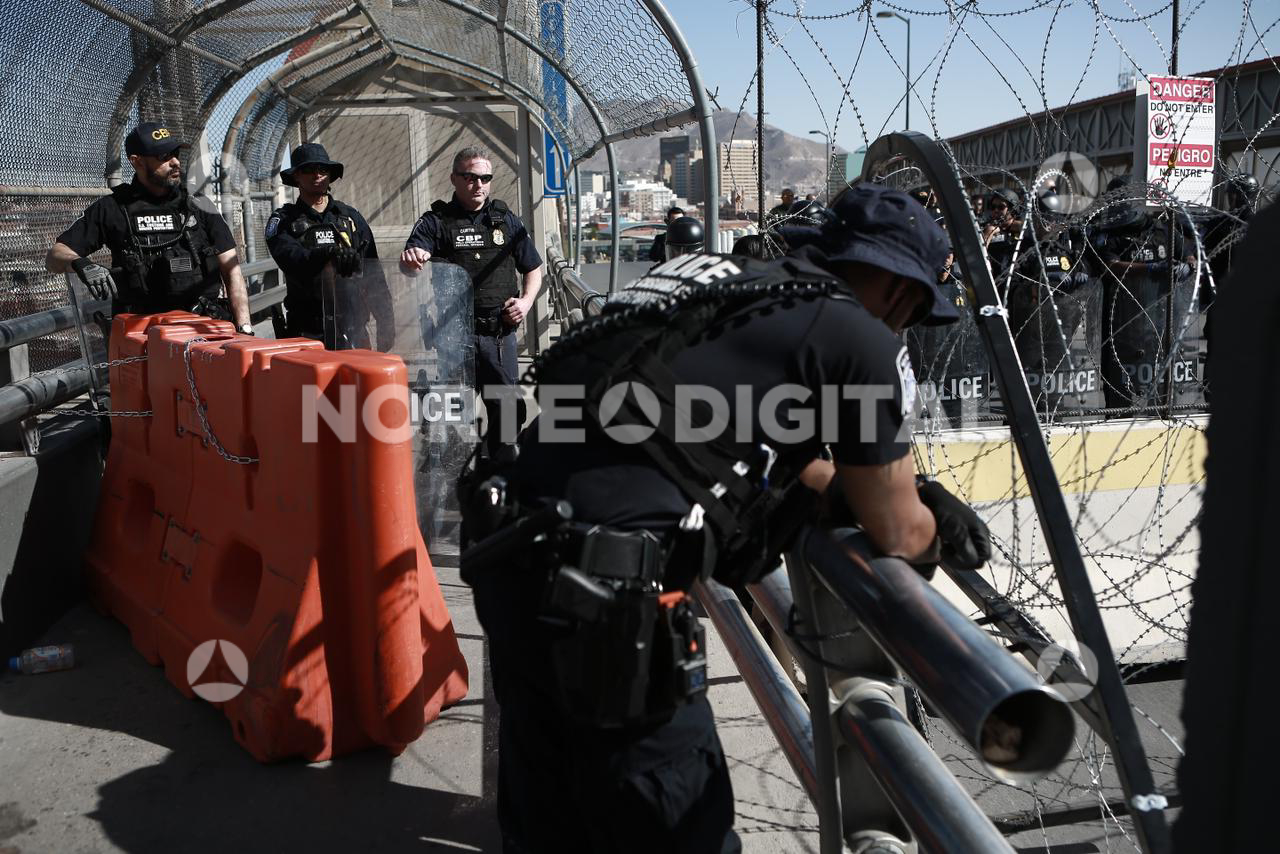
1058,332
1140,327
93,330
953,379
427,320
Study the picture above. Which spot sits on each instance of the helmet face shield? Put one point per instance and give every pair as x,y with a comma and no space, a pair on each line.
675,250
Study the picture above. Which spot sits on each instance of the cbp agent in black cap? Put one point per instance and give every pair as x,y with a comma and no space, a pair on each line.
315,234
170,249
786,357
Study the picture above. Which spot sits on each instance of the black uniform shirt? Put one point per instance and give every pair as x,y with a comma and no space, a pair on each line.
103,224
428,234
807,344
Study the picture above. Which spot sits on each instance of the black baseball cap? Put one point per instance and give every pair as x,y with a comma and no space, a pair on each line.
152,139
886,228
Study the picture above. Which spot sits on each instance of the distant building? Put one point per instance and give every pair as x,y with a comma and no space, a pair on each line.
593,182
669,148
687,178
845,169
739,174
645,199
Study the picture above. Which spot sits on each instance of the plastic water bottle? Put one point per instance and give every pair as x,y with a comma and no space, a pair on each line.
43,659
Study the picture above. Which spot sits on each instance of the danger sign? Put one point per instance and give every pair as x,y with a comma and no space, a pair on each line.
1176,135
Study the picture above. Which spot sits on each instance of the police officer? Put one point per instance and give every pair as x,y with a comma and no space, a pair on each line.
657,250
1053,303
783,208
607,742
1000,231
314,234
170,249
486,239
1225,228
1132,254
684,236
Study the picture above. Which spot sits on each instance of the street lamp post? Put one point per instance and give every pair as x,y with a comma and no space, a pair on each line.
907,20
826,181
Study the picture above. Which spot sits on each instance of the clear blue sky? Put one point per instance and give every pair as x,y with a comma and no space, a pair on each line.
969,93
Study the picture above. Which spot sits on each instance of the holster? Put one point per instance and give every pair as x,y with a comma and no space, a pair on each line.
490,324
633,654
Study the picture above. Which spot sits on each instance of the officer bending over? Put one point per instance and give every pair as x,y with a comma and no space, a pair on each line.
486,239
313,237
607,742
170,250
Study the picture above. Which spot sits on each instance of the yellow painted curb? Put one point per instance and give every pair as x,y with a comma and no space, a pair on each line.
984,465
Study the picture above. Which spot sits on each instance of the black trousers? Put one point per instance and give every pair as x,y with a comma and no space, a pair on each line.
566,787
496,367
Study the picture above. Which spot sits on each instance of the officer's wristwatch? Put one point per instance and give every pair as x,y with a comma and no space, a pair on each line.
245,329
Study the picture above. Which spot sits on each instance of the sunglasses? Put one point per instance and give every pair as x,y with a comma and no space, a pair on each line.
472,176
313,170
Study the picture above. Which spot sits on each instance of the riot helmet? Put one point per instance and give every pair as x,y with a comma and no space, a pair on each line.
684,237
1241,190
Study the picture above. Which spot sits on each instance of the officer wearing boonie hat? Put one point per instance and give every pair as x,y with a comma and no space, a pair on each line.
314,236
802,353
882,227
169,249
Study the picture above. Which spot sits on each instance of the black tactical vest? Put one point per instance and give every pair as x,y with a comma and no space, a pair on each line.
750,515
335,226
484,251
169,262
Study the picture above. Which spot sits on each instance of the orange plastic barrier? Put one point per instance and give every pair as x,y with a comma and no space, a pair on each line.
308,560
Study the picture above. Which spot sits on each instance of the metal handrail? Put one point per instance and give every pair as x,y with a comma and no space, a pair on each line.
21,330
571,289
891,617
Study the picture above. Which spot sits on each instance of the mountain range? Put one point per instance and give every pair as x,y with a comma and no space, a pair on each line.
789,160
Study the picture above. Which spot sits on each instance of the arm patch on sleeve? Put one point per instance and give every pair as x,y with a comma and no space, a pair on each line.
273,225
906,383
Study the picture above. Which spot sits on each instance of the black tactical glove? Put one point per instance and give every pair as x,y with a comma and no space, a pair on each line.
966,542
346,260
96,278
1078,279
321,255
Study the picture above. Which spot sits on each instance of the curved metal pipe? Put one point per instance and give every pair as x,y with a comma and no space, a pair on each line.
615,231
142,71
706,125
939,813
35,394
272,83
1020,728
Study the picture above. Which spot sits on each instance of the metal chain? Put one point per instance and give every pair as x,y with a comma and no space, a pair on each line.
200,412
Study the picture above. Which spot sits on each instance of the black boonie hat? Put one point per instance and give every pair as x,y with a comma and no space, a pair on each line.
886,228
310,154
152,139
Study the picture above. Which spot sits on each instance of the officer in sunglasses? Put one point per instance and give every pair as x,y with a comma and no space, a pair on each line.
486,239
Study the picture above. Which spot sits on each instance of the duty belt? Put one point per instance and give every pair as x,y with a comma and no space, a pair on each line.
609,553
